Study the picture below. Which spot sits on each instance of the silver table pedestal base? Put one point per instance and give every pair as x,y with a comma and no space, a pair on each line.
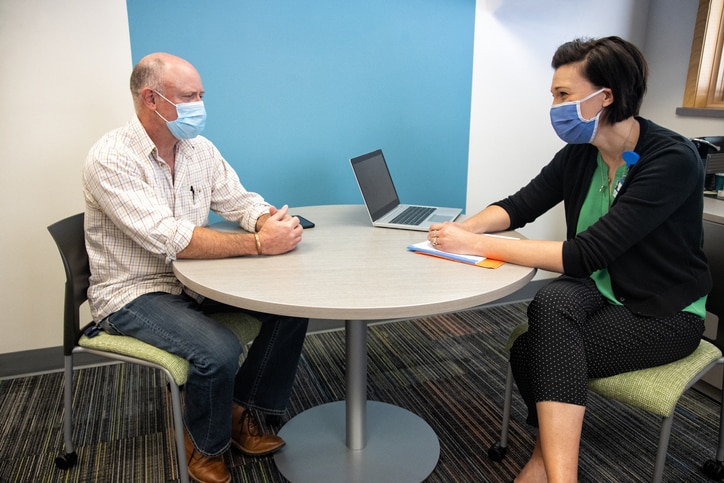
401,447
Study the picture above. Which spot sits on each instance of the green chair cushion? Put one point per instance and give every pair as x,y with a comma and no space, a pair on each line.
244,327
656,389
132,347
517,332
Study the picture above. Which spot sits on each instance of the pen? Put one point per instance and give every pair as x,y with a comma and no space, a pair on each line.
193,194
501,236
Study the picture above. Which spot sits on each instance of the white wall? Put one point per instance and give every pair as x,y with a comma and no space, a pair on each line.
510,134
668,44
64,80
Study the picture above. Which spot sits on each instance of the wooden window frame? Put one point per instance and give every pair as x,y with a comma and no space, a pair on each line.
705,78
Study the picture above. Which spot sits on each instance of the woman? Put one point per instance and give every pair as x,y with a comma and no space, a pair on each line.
635,278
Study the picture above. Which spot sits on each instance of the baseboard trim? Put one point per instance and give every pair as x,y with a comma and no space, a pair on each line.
41,361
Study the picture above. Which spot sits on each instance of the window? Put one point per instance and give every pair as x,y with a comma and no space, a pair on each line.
705,78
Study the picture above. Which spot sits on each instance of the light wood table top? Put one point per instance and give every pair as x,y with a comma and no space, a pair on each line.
345,269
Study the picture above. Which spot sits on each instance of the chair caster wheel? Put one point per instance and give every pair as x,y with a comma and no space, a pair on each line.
66,460
497,452
714,469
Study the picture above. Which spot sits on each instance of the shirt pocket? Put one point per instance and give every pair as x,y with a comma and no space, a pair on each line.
195,202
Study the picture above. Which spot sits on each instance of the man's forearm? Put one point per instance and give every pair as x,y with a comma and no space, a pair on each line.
208,243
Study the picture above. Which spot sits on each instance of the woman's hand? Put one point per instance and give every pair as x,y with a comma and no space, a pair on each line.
452,237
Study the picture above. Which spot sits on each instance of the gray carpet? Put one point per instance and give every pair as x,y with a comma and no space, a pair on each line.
448,369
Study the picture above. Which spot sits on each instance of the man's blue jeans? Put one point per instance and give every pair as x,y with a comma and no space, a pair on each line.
178,324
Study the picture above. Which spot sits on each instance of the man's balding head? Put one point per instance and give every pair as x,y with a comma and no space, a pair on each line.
158,71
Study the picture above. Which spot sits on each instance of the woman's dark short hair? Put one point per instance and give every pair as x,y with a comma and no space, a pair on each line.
609,62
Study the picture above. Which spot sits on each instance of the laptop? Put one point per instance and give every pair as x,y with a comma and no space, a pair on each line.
383,204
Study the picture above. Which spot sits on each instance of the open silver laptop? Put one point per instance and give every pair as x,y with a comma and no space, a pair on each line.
383,205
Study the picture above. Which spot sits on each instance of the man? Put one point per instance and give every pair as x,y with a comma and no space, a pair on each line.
148,188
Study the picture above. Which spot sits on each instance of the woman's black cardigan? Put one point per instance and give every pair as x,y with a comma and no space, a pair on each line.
651,239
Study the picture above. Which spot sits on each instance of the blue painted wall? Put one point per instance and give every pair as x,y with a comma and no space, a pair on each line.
295,89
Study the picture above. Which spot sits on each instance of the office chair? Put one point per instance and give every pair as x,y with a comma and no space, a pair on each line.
69,237
656,390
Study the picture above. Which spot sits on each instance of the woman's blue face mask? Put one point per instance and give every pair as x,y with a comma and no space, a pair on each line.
570,125
190,119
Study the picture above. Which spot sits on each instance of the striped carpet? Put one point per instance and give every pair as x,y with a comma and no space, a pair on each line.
448,369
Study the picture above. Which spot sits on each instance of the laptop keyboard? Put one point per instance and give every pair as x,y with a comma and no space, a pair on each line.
413,215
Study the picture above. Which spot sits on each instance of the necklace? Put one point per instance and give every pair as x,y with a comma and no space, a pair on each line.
628,136
628,157
605,182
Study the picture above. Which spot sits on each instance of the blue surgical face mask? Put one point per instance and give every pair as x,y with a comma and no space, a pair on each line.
570,125
190,119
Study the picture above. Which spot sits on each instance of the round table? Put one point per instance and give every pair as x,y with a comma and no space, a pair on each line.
344,269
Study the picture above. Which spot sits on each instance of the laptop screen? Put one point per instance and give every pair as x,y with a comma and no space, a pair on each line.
375,183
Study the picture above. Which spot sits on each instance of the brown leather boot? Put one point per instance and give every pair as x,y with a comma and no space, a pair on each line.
246,434
205,469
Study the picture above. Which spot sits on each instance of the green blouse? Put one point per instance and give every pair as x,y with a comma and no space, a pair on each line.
598,201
